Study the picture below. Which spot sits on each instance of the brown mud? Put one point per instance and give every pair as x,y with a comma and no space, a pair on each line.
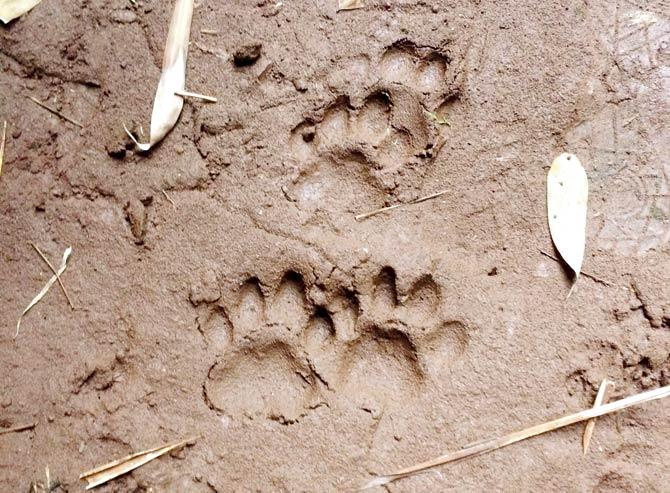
223,288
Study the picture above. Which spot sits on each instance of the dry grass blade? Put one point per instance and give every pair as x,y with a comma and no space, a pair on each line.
186,94
591,424
3,139
350,4
435,195
11,9
167,105
17,428
114,469
47,286
496,443
55,112
55,272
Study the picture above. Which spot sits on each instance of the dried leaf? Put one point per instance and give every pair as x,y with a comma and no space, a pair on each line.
350,4
168,105
114,469
11,9
567,197
492,444
591,424
47,286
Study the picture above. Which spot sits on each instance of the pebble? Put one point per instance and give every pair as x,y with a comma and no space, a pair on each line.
123,16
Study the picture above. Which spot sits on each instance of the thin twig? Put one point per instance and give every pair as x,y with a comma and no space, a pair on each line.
496,443
168,198
585,274
186,94
55,112
55,272
211,32
14,429
435,195
2,145
591,424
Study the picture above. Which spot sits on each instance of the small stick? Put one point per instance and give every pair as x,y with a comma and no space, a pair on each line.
186,94
591,423
585,274
14,429
211,32
55,272
2,145
55,112
435,195
496,443
168,198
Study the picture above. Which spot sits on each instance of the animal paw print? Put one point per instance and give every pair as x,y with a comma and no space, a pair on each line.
380,349
357,147
288,356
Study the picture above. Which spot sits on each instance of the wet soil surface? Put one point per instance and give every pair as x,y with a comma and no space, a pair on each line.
222,287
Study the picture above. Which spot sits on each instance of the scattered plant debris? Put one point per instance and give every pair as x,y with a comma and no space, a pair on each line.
435,195
492,444
15,429
440,120
591,424
114,469
55,112
11,9
350,4
2,145
567,198
167,105
47,286
55,272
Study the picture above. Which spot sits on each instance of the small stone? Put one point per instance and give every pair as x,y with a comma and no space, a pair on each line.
247,55
123,16
435,9
50,419
136,215
6,402
300,85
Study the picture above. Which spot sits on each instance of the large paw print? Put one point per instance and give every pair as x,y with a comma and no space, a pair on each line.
287,356
358,146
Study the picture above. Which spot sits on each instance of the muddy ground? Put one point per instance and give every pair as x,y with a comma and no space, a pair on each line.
222,287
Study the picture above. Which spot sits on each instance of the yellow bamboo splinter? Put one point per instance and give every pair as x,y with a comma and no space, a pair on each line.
591,424
102,474
492,444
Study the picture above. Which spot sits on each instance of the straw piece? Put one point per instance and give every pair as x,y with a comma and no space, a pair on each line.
55,112
47,286
496,443
186,94
55,272
2,145
591,424
167,197
17,428
114,469
435,195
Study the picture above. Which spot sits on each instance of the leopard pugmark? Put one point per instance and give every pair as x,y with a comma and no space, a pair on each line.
369,349
363,141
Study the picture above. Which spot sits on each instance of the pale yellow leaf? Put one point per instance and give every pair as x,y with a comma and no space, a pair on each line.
350,4
567,197
168,105
11,9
